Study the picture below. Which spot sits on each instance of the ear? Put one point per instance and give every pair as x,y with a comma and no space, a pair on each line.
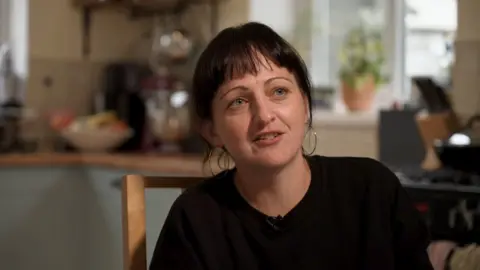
207,130
307,108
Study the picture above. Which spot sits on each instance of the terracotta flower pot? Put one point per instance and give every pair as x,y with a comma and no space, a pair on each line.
359,98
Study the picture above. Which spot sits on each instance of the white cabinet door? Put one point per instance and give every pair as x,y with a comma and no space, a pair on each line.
344,141
42,219
69,218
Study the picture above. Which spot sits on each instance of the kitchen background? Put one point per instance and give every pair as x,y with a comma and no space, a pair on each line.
67,65
54,74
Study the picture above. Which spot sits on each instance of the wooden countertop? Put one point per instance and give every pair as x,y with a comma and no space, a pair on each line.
190,165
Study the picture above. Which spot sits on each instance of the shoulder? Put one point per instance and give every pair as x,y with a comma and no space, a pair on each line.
203,199
359,167
357,174
191,223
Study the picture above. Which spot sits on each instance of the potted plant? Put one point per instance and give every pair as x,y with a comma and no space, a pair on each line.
361,71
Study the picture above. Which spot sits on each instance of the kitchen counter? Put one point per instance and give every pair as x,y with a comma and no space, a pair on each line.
168,164
180,164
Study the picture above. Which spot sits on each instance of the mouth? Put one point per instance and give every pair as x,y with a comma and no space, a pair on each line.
267,136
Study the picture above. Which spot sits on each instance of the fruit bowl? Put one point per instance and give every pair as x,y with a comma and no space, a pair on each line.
96,133
95,140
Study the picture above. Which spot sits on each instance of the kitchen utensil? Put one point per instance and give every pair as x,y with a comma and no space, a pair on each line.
432,127
169,117
122,94
434,96
95,140
461,150
171,44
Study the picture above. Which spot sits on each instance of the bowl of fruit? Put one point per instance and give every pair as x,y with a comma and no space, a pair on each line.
94,133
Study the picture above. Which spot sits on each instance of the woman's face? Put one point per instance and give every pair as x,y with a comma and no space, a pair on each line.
260,119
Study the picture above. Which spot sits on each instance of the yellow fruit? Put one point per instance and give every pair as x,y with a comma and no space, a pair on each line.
101,119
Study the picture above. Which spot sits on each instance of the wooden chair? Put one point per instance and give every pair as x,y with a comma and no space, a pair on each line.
133,214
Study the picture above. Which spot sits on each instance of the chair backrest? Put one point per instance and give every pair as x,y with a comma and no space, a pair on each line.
133,214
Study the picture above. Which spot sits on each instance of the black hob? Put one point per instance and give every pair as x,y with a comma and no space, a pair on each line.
442,183
440,176
436,193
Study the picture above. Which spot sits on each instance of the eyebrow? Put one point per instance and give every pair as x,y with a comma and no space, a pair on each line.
243,88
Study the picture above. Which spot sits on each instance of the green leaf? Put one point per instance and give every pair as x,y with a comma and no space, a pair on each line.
361,56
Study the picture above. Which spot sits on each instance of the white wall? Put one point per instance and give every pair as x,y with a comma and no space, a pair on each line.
290,18
281,18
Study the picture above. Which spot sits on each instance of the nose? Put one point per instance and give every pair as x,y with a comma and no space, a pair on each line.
262,112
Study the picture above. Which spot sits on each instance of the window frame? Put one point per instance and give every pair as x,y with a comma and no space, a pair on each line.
396,33
394,40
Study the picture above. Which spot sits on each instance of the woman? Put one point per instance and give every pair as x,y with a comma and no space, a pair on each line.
279,208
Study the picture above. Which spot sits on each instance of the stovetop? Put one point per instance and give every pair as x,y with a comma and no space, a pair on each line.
439,183
440,176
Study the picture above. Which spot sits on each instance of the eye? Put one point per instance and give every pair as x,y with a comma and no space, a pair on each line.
280,92
237,102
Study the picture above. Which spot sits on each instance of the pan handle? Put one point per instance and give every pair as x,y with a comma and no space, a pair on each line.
472,121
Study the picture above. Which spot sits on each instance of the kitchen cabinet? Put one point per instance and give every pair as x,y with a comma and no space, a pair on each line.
343,136
154,4
347,141
147,5
69,217
94,3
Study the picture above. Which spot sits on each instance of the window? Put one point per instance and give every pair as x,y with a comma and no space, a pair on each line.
417,37
429,38
333,20
317,29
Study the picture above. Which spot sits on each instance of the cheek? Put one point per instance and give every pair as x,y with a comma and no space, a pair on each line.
295,113
231,130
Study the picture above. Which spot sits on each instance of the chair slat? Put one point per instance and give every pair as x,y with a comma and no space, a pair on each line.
133,214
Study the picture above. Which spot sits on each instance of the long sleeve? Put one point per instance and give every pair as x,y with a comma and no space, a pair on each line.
395,213
175,249
411,237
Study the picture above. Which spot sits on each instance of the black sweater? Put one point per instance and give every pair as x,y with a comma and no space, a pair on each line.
355,215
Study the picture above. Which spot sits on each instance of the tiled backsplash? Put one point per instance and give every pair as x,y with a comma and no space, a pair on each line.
73,80
57,84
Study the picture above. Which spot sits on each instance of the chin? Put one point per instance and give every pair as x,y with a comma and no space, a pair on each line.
276,156
275,159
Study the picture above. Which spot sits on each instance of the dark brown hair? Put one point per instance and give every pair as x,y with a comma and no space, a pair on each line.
235,51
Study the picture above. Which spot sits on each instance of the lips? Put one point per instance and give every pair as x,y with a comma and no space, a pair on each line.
266,136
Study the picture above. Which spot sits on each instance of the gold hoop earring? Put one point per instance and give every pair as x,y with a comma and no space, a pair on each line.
209,156
311,131
226,159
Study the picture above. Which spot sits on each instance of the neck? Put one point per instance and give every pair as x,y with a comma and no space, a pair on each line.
274,191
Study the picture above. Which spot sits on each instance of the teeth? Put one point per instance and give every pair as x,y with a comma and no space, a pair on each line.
268,136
